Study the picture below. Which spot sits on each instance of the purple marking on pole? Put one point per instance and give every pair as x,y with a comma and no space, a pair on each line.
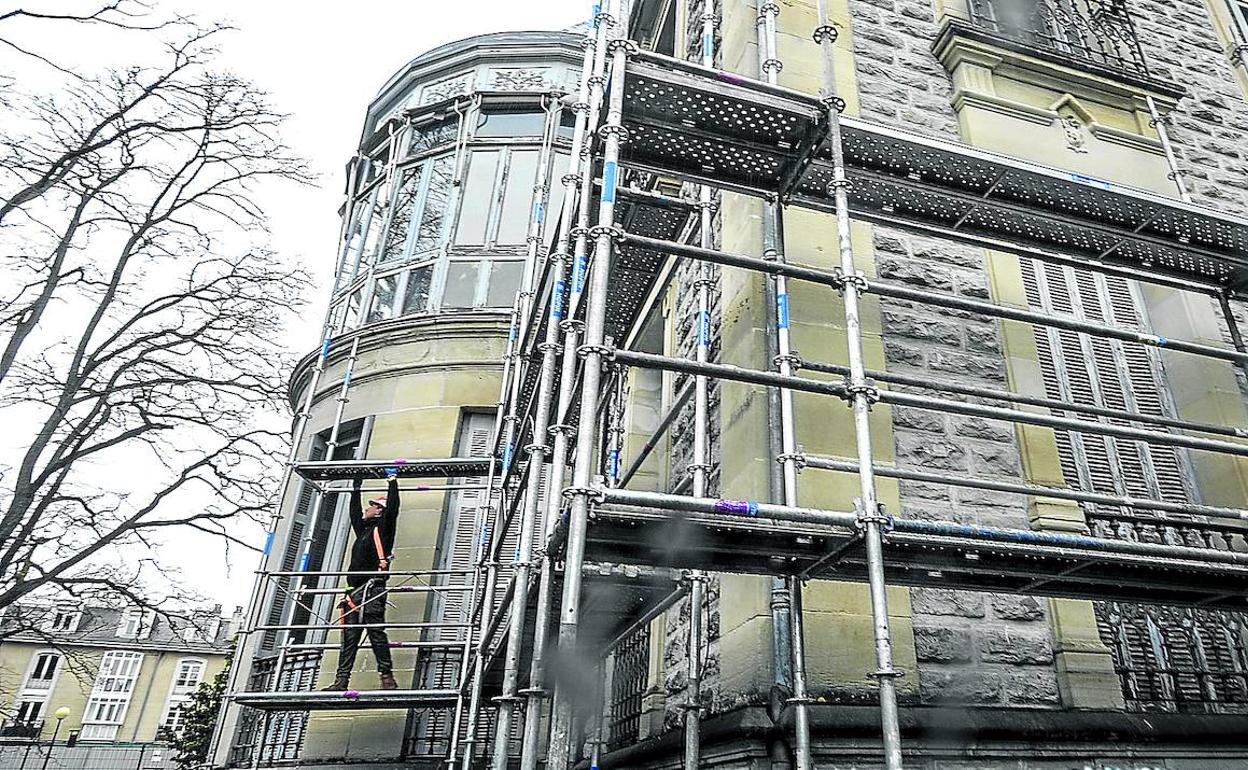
351,694
731,77
422,488
737,506
400,461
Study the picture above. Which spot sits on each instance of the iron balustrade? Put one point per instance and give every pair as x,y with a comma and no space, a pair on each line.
283,730
1097,32
628,688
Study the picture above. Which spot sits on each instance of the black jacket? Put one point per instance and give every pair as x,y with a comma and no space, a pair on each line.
364,549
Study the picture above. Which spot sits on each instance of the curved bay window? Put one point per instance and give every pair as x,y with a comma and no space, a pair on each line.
422,238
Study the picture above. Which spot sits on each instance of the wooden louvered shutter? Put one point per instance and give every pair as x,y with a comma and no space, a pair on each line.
290,552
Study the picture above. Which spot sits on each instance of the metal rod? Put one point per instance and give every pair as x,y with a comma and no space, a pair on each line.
870,519
741,374
536,452
561,319
594,354
333,626
653,441
405,645
1232,326
368,573
896,291
928,383
394,590
979,482
1159,122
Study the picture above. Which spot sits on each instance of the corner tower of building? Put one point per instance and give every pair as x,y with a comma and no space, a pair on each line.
453,172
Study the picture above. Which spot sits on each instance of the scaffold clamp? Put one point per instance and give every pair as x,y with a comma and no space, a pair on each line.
879,515
594,494
825,32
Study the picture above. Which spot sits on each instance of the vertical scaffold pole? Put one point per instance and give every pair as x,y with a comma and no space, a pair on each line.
786,363
536,452
602,730
594,352
1160,123
564,300
872,519
699,468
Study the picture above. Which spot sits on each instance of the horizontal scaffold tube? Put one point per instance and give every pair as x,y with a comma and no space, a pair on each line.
332,626
846,466
455,644
371,573
923,381
390,590
988,535
740,374
896,291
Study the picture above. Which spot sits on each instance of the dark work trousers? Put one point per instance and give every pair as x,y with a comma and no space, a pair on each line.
365,605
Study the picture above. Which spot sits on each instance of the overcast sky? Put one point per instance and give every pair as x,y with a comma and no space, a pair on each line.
321,62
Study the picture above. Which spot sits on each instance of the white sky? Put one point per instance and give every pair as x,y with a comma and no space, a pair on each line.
321,62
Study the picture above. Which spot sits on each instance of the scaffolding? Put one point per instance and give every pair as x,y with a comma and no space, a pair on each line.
643,121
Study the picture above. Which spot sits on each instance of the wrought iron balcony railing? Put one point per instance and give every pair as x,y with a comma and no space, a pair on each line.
1077,32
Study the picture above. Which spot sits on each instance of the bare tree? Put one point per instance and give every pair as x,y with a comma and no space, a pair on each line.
142,367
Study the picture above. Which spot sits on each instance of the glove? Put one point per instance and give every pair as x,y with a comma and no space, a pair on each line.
392,473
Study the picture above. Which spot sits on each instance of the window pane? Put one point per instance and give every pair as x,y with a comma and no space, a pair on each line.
416,295
401,219
554,208
461,284
376,222
429,235
353,309
383,299
513,224
511,124
428,137
352,242
504,283
474,210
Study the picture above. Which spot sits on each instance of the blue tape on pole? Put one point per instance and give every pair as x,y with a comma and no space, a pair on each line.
593,19
268,541
578,273
537,212
556,300
708,44
782,310
325,347
507,456
1161,341
1092,181
615,463
346,379
608,182
303,561
704,327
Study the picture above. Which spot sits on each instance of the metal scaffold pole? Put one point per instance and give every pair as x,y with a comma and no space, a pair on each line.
565,298
594,352
536,453
700,467
871,517
786,363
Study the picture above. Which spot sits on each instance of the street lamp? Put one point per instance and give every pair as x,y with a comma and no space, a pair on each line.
60,715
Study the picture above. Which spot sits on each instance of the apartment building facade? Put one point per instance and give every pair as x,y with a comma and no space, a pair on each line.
432,255
123,674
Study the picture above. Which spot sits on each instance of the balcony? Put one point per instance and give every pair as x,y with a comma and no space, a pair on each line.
1095,35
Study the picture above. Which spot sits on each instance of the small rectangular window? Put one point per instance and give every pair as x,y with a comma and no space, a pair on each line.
509,124
504,283
513,223
478,196
28,711
44,671
416,294
1239,16
382,307
461,284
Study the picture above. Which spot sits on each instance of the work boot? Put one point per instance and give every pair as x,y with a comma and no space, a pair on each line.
387,681
341,684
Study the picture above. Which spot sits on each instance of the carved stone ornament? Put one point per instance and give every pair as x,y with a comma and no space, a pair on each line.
445,89
519,80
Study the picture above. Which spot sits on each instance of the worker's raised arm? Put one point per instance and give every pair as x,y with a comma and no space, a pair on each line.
390,516
356,509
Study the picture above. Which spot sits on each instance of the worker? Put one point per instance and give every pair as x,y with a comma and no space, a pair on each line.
365,602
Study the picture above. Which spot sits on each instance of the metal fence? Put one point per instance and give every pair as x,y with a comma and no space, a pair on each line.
87,756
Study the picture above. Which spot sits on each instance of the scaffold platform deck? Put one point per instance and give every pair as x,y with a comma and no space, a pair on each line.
917,553
439,468
734,133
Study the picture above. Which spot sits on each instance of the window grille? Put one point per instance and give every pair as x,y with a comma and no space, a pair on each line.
628,686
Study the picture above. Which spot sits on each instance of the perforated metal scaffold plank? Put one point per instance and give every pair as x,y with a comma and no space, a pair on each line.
735,133
442,467
758,545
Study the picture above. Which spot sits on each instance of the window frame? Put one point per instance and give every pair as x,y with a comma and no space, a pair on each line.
113,689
